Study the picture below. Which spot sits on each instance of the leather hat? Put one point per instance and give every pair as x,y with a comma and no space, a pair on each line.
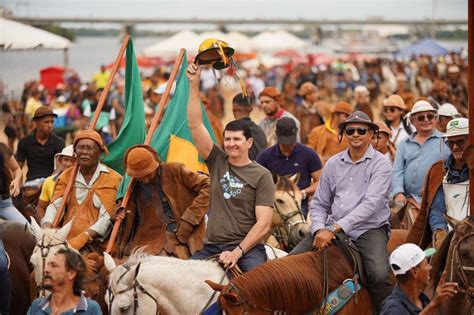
141,161
342,107
92,135
358,117
44,111
216,52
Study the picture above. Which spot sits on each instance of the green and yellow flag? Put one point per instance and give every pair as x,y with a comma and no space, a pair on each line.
172,140
133,130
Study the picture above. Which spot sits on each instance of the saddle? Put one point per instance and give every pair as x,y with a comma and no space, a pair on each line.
350,250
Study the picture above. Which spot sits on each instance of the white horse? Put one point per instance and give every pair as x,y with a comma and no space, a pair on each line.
161,285
48,242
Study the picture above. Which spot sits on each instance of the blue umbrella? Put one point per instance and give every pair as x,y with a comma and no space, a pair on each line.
423,47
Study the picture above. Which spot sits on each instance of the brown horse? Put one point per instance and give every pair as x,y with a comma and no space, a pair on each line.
19,244
292,284
456,257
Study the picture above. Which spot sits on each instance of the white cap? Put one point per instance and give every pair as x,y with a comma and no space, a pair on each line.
67,151
457,127
448,110
161,88
407,256
61,99
422,106
361,89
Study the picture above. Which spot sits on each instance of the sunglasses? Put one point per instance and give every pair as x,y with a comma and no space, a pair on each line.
428,117
361,131
390,109
460,143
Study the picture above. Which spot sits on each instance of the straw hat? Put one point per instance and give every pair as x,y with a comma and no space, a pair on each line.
395,101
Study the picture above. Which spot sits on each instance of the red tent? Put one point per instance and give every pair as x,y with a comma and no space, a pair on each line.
51,76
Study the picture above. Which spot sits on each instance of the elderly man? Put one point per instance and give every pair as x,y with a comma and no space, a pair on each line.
411,268
242,191
446,113
417,153
39,148
446,189
289,157
64,277
324,139
92,201
270,101
352,198
168,198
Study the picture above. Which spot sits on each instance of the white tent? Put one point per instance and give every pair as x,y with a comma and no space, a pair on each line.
269,41
242,43
14,35
170,47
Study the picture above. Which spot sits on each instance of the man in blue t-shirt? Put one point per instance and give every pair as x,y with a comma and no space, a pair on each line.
289,157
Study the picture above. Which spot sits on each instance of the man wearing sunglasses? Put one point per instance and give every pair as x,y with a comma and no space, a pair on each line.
352,198
446,189
416,154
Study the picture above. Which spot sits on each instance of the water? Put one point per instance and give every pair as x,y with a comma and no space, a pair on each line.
86,56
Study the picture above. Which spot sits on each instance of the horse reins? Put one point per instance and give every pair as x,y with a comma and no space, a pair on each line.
286,217
44,250
136,286
468,289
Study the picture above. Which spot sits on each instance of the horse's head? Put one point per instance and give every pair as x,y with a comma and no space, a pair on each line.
287,209
48,242
461,255
126,294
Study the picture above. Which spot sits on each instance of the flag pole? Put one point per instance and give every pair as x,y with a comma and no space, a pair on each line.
149,136
100,105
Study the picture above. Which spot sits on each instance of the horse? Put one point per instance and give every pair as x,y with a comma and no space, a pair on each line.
292,284
148,284
27,200
456,257
19,244
289,226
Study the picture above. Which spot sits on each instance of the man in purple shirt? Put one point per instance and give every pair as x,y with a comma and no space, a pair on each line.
352,197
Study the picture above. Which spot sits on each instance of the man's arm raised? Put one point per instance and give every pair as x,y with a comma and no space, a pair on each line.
201,137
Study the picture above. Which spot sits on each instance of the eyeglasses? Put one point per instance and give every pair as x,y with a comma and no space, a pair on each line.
361,131
428,117
390,109
86,148
460,143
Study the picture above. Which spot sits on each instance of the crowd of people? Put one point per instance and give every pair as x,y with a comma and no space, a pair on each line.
364,137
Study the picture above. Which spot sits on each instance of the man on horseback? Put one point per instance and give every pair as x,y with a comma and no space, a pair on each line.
446,190
242,191
352,197
92,201
168,198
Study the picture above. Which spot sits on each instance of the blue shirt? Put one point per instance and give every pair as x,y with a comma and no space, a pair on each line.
398,303
438,206
413,161
86,306
353,195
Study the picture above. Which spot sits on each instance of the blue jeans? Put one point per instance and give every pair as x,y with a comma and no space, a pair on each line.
9,212
250,260
372,246
5,284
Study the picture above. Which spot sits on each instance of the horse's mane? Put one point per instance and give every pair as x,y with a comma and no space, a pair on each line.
300,275
285,184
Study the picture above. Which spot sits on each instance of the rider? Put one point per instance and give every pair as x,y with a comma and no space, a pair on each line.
170,198
242,190
289,157
352,197
446,189
92,201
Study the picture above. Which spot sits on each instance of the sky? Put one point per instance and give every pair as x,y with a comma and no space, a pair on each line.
304,9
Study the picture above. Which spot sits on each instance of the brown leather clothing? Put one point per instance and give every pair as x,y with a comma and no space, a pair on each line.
420,233
177,194
309,119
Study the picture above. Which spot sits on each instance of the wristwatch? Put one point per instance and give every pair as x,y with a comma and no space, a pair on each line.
332,229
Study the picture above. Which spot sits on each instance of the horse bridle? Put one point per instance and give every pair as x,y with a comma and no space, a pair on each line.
286,217
467,288
136,286
44,250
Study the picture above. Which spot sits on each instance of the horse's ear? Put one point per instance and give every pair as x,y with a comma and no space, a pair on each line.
63,232
276,178
295,178
451,221
215,286
35,229
109,262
